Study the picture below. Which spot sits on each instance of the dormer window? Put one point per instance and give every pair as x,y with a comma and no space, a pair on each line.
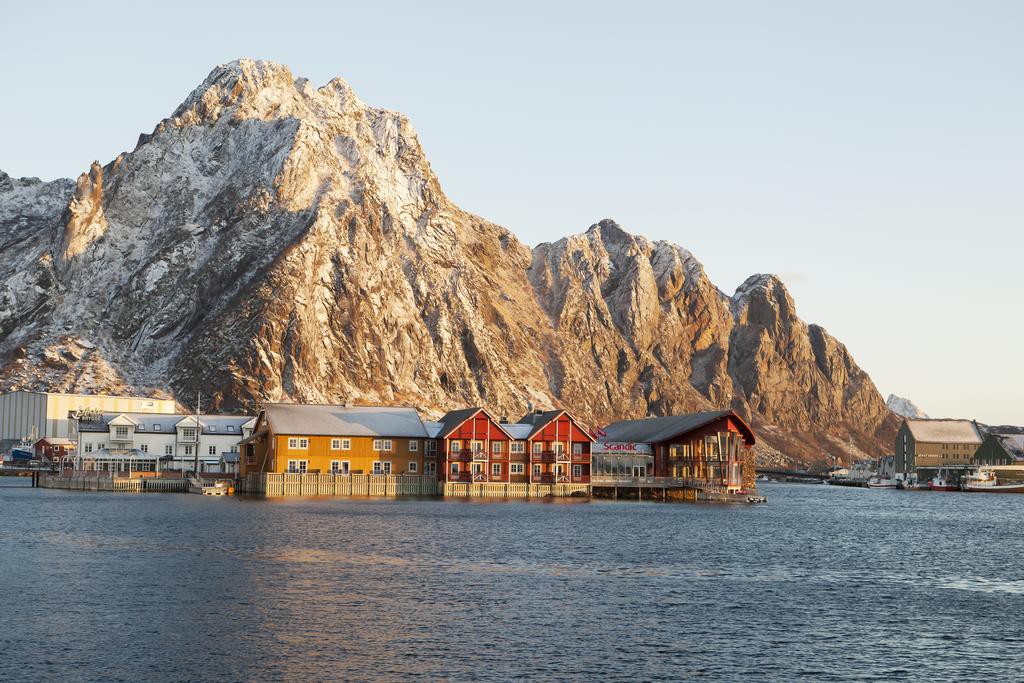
141,428
213,429
157,427
231,428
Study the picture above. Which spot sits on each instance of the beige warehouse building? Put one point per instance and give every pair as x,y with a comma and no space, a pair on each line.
24,414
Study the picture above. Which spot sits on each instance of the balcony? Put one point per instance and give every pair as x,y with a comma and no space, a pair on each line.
479,455
561,456
581,479
581,457
543,456
543,479
460,456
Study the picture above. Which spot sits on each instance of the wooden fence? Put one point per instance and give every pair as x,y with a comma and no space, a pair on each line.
503,490
83,482
261,484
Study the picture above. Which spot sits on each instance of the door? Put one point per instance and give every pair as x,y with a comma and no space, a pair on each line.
639,471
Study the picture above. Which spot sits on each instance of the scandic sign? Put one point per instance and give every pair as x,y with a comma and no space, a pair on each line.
621,447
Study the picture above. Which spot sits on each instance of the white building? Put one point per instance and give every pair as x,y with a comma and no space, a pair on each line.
147,442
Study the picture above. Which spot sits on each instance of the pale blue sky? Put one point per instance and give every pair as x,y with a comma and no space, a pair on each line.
870,153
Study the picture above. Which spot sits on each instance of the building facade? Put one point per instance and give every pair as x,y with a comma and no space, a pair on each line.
331,439
36,414
157,442
54,449
1000,449
714,448
923,447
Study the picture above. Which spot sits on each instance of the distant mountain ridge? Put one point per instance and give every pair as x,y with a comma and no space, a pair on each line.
273,240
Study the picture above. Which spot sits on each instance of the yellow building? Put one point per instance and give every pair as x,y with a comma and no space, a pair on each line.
323,439
40,414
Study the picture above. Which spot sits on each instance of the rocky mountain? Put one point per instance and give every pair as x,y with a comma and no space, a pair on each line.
275,240
904,407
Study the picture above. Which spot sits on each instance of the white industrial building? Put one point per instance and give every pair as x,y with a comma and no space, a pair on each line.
125,442
32,415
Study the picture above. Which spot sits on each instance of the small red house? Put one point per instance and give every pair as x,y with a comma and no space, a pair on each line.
53,449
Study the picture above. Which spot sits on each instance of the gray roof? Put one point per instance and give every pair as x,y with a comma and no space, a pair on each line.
433,429
537,421
231,456
519,432
944,431
656,429
454,418
147,422
321,420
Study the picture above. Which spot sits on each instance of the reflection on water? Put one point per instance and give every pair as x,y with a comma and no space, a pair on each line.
844,584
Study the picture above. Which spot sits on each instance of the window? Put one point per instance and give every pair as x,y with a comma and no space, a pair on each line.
230,428
297,466
414,445
538,447
577,470
516,468
339,467
455,446
188,450
298,444
387,466
121,432
413,467
213,429
455,468
144,447
518,447
378,467
88,448
430,468
497,447
387,446
536,470
335,445
476,446
577,449
157,427
212,450
496,469
141,428
346,444
559,447
376,444
188,433
250,458
168,449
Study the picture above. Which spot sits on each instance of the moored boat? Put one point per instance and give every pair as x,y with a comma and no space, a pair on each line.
881,483
942,483
986,481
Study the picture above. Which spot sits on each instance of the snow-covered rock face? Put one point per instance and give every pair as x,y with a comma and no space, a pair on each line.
904,407
275,240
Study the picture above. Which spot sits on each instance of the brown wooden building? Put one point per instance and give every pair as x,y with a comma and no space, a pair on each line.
710,447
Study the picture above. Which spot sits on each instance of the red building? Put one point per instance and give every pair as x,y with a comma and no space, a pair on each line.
53,448
471,445
557,445
711,447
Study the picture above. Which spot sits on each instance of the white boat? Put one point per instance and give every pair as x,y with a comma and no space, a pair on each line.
986,481
880,483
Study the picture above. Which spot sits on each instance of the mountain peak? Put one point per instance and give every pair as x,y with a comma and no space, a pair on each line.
904,407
